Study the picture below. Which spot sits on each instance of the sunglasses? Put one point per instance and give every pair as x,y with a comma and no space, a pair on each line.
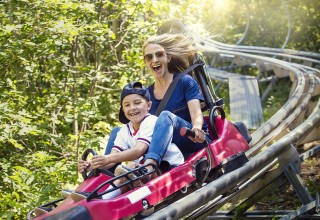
158,54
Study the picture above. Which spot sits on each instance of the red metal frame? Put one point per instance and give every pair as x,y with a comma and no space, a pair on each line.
229,143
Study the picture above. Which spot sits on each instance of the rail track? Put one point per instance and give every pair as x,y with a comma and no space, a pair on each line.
273,158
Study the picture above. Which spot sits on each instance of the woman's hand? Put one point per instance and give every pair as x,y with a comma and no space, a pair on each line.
200,135
196,120
83,166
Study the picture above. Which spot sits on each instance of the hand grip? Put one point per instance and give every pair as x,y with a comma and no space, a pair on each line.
84,157
186,132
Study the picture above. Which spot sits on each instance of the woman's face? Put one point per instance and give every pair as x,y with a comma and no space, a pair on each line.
156,59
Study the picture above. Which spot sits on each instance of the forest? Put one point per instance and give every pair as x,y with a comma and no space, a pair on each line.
64,62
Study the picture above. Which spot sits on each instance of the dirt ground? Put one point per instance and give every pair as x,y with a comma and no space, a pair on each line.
285,198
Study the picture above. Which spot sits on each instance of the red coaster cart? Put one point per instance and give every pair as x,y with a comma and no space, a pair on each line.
225,153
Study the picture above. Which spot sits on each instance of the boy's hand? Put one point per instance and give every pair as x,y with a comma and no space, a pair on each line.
83,166
100,161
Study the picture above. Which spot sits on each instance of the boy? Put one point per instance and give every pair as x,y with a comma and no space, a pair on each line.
131,143
133,139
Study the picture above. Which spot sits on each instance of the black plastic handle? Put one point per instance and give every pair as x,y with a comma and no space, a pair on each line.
84,157
187,132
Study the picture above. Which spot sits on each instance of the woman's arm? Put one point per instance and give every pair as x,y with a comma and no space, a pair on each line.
196,120
134,153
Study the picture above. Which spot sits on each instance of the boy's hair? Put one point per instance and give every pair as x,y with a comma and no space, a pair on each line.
132,88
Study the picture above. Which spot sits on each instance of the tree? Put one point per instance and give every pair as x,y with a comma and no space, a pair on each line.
64,62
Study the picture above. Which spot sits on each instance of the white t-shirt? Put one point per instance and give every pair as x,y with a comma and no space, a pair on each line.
127,138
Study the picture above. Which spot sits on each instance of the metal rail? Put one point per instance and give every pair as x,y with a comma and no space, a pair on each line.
230,180
286,126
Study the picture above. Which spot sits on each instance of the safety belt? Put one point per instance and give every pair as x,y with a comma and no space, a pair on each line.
173,84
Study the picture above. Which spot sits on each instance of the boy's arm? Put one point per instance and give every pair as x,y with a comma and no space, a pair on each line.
134,153
107,161
110,164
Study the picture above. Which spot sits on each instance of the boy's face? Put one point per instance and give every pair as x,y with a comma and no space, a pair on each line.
135,108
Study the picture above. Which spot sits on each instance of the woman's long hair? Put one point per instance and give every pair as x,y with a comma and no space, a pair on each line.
178,46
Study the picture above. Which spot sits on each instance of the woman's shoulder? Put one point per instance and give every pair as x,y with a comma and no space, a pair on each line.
186,77
187,80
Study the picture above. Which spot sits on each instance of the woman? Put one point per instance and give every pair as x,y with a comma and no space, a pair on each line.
166,56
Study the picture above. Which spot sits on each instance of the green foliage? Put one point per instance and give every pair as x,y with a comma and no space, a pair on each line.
21,182
63,65
64,62
291,24
277,97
